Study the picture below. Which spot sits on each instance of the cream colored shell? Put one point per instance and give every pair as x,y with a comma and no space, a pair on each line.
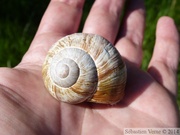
84,67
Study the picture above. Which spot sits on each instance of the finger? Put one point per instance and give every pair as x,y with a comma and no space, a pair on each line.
62,17
104,18
129,42
164,62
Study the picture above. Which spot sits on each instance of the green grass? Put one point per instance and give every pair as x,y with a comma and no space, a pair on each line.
19,20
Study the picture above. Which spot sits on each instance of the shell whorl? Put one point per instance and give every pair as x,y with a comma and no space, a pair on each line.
84,67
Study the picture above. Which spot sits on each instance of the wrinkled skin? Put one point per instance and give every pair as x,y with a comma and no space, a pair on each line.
150,100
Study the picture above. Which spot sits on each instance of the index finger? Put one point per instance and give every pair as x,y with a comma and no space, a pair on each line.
61,18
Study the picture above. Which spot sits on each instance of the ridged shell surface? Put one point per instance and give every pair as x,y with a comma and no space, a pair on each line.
84,67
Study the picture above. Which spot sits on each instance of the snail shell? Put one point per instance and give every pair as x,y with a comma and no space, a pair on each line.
84,67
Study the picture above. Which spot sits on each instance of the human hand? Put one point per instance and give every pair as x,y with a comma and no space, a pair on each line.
27,108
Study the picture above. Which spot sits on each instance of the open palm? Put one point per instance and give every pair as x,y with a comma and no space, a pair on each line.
150,99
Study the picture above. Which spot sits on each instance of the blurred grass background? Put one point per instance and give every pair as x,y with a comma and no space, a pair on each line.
19,20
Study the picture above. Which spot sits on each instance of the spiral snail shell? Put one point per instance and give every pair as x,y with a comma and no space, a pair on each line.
84,67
